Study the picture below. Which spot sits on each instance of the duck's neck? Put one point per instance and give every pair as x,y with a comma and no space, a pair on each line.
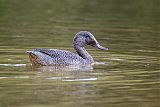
84,54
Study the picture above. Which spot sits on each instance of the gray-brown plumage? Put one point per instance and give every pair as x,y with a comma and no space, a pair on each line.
53,57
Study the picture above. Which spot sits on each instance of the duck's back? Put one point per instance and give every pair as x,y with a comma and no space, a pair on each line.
55,57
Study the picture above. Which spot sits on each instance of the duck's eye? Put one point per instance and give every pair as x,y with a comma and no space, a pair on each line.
92,43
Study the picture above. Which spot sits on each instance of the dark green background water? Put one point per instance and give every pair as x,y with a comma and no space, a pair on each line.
129,28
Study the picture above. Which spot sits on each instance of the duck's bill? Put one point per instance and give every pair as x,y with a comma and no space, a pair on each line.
100,47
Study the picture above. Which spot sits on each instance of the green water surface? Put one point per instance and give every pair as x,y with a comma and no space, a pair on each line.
127,75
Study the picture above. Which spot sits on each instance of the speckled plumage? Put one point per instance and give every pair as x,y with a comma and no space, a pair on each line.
53,57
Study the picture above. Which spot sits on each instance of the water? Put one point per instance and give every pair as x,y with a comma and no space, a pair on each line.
128,75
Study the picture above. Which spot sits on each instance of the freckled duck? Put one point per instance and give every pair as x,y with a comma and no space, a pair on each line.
53,57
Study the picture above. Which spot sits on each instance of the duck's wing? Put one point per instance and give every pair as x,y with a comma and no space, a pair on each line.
54,52
49,52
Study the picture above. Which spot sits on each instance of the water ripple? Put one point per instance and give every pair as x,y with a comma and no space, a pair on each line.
15,77
14,65
82,79
73,79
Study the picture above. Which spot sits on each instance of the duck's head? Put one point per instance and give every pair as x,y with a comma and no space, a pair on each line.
83,38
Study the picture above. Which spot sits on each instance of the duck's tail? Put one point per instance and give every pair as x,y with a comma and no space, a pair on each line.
32,57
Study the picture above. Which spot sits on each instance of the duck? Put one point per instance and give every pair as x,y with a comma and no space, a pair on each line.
56,57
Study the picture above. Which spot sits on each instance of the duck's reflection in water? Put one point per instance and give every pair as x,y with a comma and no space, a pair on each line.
65,73
84,68
64,84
